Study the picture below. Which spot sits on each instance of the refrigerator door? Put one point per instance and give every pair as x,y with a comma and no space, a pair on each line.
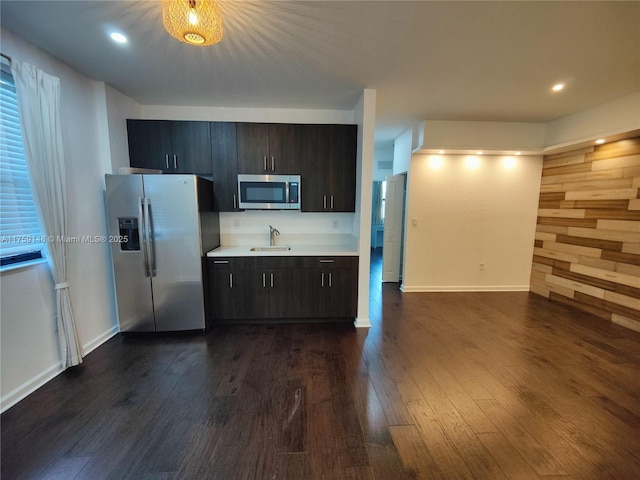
174,255
124,198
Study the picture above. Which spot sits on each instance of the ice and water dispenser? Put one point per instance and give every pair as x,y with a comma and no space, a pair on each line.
129,233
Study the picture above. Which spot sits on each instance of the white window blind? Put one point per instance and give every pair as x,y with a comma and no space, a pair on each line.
21,238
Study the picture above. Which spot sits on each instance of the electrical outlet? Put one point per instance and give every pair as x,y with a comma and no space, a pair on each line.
481,265
414,222
335,224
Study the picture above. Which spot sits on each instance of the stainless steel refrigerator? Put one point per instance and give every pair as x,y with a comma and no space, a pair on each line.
160,228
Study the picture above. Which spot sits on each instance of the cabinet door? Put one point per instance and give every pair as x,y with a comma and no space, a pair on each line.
342,154
312,293
253,148
284,157
314,167
224,155
284,293
223,293
191,152
150,144
253,301
340,293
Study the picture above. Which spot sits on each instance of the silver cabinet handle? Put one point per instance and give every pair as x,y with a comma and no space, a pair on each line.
166,160
223,262
324,202
322,280
272,164
272,280
265,163
175,161
330,279
331,202
264,280
326,261
235,201
231,280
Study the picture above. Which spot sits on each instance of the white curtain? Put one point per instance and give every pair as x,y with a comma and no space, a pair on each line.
39,105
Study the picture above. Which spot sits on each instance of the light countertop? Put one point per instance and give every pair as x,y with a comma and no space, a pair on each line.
296,250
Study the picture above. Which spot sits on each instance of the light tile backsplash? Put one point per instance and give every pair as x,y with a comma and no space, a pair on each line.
296,228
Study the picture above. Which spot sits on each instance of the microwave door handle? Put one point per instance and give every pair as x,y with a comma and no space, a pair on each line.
287,192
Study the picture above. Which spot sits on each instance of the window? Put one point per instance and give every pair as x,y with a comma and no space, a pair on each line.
21,238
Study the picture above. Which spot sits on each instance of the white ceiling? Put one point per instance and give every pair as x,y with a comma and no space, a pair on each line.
448,60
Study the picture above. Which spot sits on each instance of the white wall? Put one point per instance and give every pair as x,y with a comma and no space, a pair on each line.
385,155
223,114
251,227
454,135
365,116
118,108
402,152
617,116
467,216
30,354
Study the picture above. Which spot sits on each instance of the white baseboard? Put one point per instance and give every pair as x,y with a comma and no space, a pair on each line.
362,322
468,288
27,388
30,386
91,345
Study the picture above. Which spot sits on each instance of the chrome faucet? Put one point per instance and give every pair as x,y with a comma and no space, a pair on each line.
273,232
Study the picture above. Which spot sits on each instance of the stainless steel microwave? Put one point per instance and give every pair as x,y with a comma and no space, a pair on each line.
269,192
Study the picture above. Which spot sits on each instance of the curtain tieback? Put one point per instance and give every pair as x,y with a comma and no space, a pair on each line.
60,286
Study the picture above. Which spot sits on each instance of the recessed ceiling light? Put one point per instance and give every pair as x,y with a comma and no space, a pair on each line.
441,152
518,153
557,87
479,152
600,141
118,37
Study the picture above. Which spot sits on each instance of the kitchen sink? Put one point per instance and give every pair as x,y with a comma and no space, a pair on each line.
274,248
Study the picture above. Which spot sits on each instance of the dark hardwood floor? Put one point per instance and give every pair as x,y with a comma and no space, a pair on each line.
443,386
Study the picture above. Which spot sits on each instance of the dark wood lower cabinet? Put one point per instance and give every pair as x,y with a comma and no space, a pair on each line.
278,289
329,287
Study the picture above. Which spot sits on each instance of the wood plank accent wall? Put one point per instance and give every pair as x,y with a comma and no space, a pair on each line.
587,243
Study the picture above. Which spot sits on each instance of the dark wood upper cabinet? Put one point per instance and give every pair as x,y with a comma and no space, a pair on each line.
170,146
149,143
191,147
343,141
268,148
328,167
324,156
224,154
314,167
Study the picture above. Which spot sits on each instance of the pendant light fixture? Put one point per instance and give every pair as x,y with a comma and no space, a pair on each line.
196,22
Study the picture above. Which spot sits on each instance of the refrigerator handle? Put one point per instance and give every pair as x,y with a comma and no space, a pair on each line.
143,223
150,238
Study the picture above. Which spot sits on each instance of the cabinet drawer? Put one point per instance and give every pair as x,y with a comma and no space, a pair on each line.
337,262
230,262
277,262
254,262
